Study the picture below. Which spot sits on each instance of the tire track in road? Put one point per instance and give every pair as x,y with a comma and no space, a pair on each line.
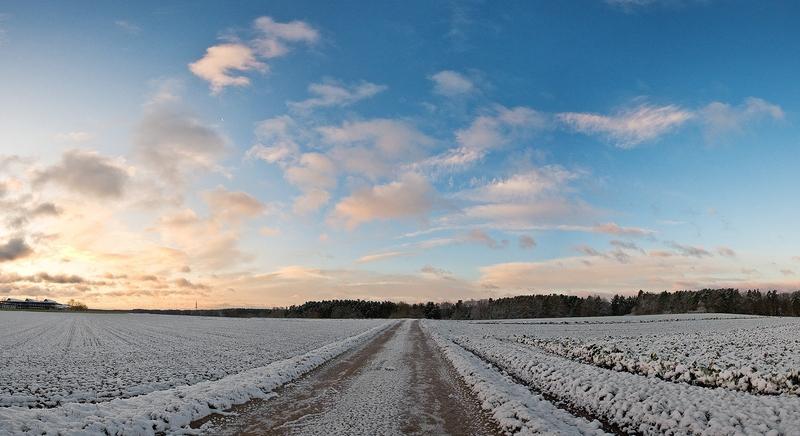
306,397
398,383
441,403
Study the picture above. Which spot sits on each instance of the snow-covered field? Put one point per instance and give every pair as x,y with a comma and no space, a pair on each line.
68,373
679,374
102,372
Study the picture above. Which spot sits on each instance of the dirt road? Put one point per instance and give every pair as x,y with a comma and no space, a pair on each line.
398,383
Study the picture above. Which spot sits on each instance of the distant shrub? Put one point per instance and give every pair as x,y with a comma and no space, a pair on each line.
77,305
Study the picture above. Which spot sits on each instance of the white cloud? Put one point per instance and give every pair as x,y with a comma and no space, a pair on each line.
525,215
486,133
451,83
630,127
221,62
273,36
310,201
613,272
314,171
629,6
232,205
492,131
77,137
218,65
334,94
392,137
207,242
374,148
277,143
269,231
528,185
625,4
314,174
410,196
382,256
128,27
721,118
276,153
173,143
616,229
533,198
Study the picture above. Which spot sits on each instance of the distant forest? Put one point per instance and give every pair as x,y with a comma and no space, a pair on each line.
752,302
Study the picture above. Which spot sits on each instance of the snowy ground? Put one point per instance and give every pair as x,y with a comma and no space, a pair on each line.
689,374
151,374
139,374
52,359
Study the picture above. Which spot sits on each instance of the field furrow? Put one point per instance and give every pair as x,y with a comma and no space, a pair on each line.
640,404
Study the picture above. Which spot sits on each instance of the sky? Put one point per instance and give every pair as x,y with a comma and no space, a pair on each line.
258,154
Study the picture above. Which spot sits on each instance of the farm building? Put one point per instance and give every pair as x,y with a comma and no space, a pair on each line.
28,303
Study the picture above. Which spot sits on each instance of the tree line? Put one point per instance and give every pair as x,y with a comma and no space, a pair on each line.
751,302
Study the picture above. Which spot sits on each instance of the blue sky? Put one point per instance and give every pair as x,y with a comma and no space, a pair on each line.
259,154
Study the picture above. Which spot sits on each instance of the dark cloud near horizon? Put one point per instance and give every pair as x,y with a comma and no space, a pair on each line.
526,242
691,251
15,248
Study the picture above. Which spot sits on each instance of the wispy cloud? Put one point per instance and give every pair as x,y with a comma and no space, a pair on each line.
630,6
451,83
691,251
331,93
630,127
485,133
382,256
77,137
128,27
726,252
722,118
528,185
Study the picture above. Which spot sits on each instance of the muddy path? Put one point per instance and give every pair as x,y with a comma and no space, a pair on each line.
398,383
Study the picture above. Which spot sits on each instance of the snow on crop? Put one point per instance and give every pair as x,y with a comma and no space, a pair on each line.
141,374
55,358
687,374
759,360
